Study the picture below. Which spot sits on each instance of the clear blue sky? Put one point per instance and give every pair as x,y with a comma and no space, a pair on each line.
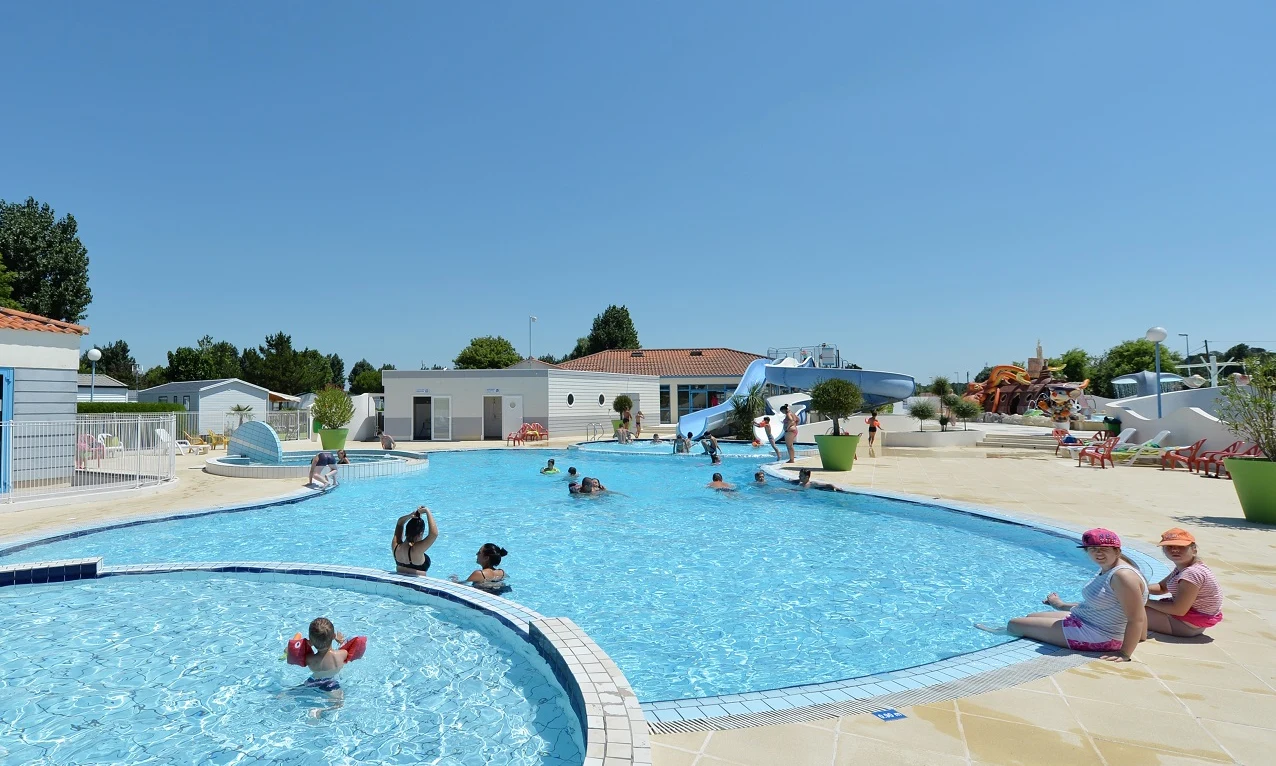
931,186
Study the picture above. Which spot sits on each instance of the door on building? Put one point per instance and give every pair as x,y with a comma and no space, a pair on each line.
421,421
511,414
442,420
491,417
6,416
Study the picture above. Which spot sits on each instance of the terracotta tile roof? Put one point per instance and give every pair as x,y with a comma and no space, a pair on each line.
667,362
12,319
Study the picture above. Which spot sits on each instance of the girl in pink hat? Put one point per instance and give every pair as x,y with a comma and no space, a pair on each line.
1109,617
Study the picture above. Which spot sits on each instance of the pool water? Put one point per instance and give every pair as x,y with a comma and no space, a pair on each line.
729,449
131,669
692,592
304,459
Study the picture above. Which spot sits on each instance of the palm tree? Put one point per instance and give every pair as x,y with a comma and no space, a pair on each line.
244,411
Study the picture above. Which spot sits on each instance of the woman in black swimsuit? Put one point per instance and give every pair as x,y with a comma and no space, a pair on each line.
488,575
412,540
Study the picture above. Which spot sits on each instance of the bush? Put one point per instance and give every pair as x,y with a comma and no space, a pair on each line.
1250,411
923,411
622,403
746,409
940,386
965,410
836,398
126,407
333,408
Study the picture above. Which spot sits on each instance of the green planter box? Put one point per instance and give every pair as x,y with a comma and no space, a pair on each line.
1255,482
837,453
333,438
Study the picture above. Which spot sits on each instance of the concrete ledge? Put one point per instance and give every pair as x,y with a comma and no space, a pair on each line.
957,438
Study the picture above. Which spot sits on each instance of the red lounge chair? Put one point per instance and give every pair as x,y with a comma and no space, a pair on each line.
1101,452
1210,457
537,432
1217,462
1060,434
518,437
1185,455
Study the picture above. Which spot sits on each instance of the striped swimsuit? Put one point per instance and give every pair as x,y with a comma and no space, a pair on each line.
1098,623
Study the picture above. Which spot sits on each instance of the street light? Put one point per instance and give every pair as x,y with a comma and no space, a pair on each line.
529,336
1187,347
1156,335
93,355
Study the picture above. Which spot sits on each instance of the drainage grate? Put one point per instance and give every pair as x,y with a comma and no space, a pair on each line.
1012,675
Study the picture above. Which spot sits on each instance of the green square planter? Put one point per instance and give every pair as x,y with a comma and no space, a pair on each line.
837,453
333,438
1255,483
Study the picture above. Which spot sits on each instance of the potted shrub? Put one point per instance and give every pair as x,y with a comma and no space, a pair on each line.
334,410
836,399
1250,413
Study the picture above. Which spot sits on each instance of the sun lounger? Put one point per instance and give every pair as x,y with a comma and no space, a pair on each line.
1100,452
1060,434
1122,439
110,444
215,439
1132,452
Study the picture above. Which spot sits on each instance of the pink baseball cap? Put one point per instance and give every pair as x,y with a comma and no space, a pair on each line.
1100,537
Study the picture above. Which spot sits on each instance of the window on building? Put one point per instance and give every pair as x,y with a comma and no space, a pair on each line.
666,412
186,402
692,398
164,399
571,399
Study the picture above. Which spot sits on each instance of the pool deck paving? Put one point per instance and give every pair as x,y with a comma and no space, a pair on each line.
1182,701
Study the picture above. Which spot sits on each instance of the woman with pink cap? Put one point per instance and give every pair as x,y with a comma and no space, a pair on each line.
1110,616
1195,602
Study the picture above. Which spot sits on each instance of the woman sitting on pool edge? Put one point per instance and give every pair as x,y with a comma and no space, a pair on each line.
1110,616
1195,602
487,576
411,541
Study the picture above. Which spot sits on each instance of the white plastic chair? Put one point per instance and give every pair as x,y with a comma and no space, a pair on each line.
1151,447
178,445
110,444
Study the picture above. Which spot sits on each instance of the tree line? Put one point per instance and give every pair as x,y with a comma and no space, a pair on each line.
613,328
44,268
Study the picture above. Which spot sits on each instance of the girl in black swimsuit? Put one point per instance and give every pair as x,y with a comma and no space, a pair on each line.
412,540
488,576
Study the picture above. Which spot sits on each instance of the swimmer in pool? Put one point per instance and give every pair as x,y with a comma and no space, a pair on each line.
549,468
323,470
759,477
571,473
719,484
413,536
488,575
804,477
655,439
716,459
325,662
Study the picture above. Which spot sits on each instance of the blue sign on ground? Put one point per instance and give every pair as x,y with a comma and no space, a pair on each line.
889,714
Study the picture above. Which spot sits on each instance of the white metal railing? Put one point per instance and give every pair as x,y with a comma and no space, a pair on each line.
289,424
90,453
594,432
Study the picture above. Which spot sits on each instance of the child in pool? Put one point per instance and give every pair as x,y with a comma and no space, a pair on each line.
325,662
571,473
549,468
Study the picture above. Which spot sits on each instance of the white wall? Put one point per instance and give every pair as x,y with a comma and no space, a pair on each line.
102,394
39,350
1202,398
574,419
466,389
363,426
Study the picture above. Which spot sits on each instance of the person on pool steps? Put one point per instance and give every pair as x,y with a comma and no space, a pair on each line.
325,460
412,540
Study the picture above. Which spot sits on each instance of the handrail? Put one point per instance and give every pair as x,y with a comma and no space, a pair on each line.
594,432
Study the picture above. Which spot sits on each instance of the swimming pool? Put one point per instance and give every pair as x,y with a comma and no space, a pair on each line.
132,669
729,449
692,592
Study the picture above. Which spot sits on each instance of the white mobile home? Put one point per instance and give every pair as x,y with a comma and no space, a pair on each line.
101,388
456,405
38,362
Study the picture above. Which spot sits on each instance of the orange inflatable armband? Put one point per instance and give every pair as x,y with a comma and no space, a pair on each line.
298,650
355,647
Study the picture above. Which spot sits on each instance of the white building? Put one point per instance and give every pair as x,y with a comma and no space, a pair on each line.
691,379
101,388
455,405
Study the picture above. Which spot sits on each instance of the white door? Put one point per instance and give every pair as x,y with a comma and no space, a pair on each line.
442,419
511,413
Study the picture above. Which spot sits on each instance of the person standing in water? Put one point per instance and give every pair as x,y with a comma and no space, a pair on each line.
765,425
790,431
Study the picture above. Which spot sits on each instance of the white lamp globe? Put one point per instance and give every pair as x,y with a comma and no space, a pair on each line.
1156,334
94,355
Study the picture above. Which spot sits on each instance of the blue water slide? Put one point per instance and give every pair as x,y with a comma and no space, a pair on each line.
879,388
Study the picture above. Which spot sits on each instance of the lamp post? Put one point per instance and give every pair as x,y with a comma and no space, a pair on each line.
93,356
1156,335
529,336
1187,347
